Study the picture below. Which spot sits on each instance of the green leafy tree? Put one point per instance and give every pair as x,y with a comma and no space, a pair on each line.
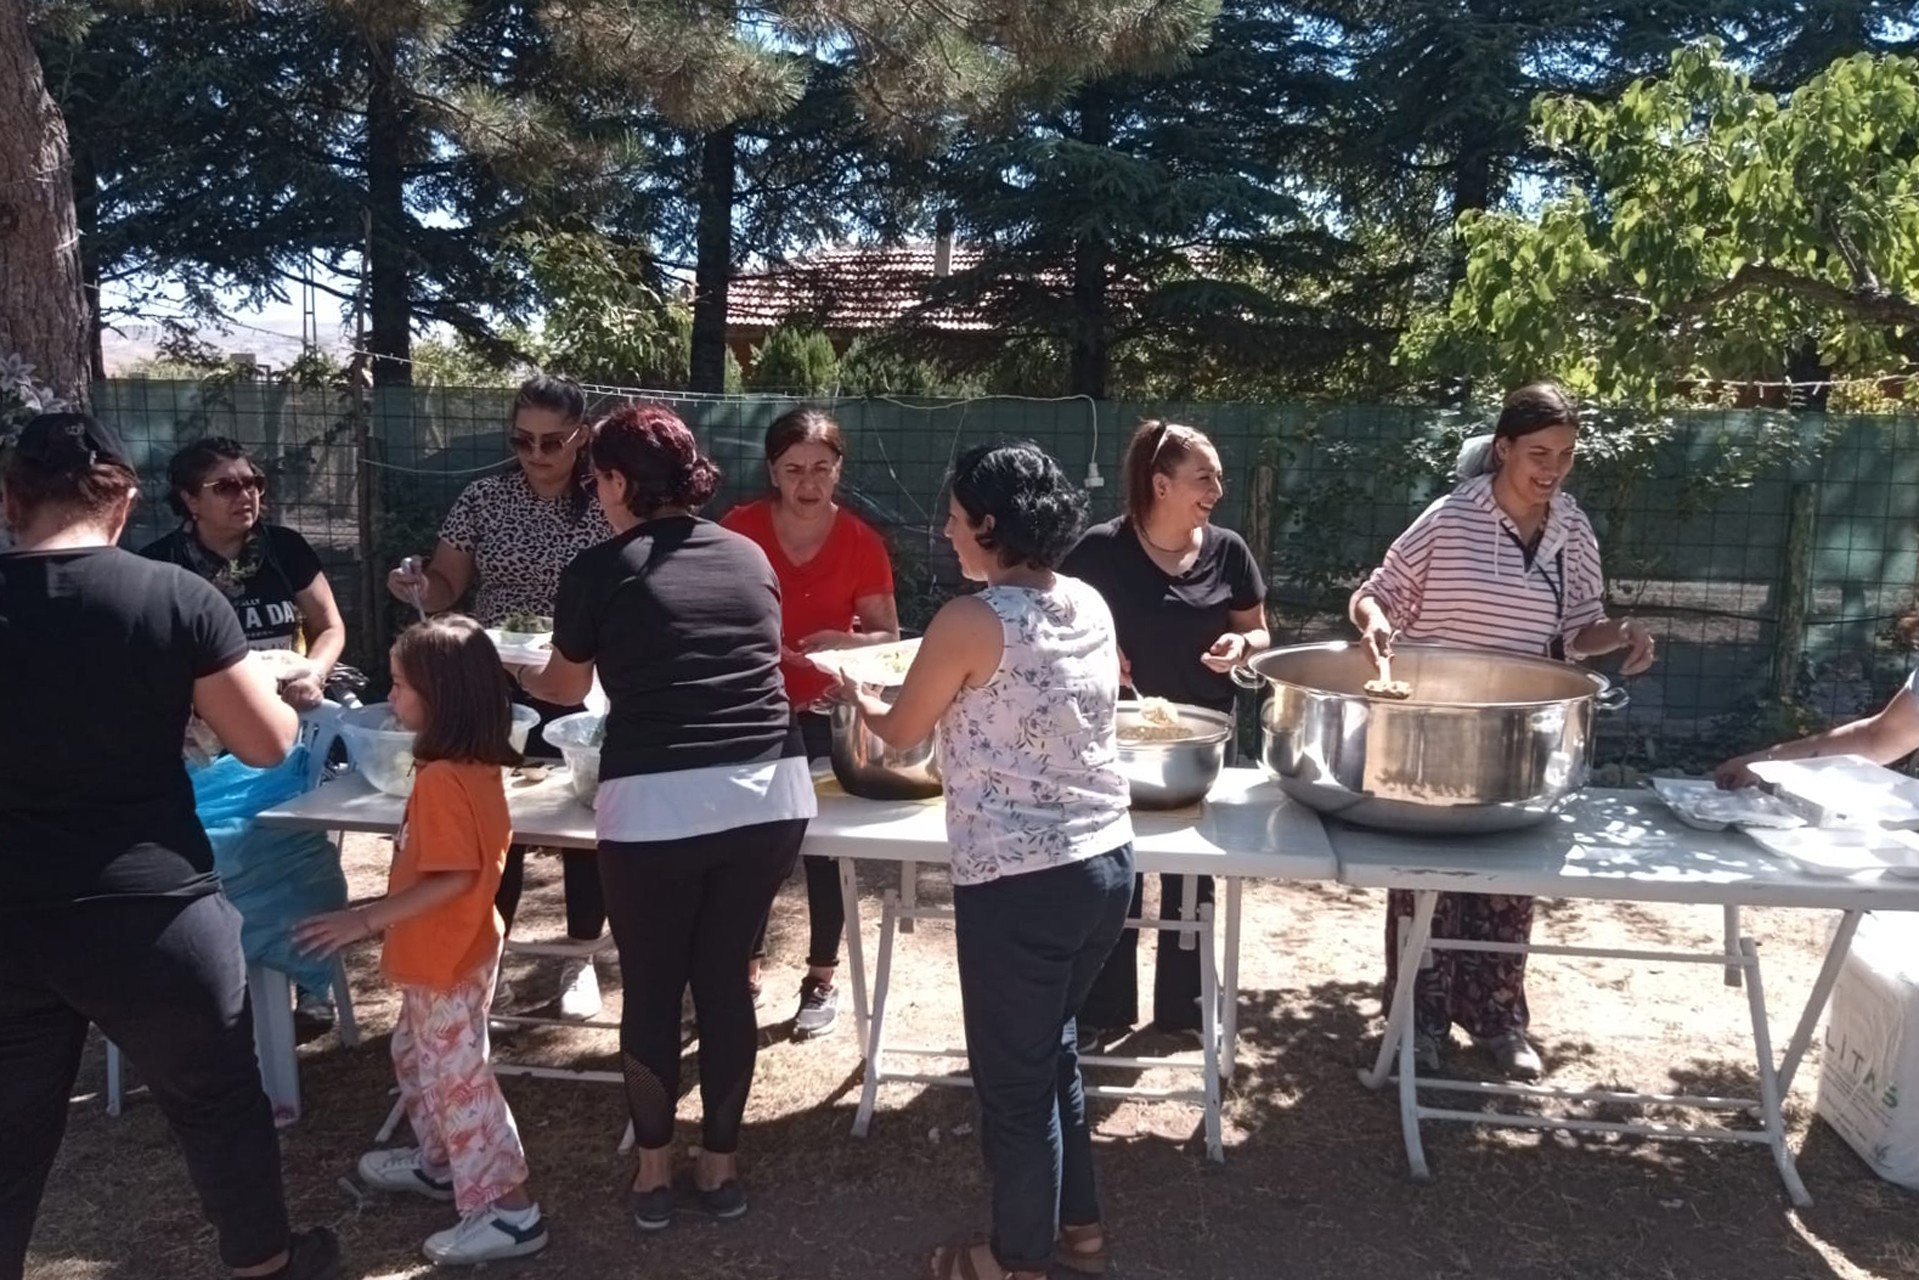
794,358
1720,232
1155,211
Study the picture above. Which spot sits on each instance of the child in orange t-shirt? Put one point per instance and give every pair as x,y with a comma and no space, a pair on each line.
443,946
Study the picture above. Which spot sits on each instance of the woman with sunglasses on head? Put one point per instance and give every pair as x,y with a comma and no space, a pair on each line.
834,570
267,572
1188,603
506,540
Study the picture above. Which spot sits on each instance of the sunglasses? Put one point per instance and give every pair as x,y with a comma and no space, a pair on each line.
234,486
546,446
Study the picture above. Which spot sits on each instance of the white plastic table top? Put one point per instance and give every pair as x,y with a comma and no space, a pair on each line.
1246,827
1618,845
544,813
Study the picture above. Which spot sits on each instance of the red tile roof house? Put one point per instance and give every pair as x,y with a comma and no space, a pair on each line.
852,291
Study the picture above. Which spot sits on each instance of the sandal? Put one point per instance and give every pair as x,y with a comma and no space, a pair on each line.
1073,1253
961,1262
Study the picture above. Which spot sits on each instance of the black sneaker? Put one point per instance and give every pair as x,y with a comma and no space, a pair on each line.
819,1008
652,1210
313,1254
1091,1039
723,1202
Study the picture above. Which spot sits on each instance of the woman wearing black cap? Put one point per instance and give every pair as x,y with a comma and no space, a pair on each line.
110,911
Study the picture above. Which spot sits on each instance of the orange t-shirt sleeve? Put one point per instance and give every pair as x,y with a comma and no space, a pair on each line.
443,831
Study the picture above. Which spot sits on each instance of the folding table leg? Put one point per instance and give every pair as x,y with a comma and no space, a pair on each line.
1229,1006
875,1044
1413,937
1768,1081
116,1096
1409,1085
855,948
1209,1033
273,1040
1816,1002
391,1124
909,892
1188,909
1732,943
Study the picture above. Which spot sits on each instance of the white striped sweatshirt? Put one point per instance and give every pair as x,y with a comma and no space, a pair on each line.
1459,575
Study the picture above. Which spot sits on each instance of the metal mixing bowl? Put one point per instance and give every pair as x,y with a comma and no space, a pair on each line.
867,767
1487,742
1166,775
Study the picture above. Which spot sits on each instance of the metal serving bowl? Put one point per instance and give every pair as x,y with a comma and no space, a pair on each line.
1487,742
1166,775
866,766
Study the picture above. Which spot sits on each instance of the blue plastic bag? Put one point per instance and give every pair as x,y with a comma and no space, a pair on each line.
275,878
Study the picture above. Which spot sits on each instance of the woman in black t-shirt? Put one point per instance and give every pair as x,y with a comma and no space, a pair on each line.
273,580
1188,604
266,571
110,912
704,787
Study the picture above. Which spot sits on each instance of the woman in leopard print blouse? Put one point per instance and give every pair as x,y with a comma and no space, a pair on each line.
506,540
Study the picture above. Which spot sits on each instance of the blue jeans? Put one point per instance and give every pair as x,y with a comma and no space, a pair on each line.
1029,948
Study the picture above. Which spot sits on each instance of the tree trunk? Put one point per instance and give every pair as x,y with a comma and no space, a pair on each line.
389,304
1092,337
43,312
86,211
713,269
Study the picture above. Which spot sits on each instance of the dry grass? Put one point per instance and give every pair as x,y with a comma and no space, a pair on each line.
1314,1185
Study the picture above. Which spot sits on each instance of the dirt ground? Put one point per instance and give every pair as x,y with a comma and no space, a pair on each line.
1314,1185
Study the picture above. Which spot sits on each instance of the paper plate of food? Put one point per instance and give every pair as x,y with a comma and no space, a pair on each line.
523,639
882,666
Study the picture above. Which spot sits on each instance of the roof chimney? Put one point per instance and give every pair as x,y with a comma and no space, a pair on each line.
943,244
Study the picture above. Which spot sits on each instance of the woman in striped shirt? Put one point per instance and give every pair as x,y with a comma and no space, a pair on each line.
1505,561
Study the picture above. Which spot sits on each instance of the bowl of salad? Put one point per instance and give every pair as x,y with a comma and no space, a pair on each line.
579,738
382,751
523,631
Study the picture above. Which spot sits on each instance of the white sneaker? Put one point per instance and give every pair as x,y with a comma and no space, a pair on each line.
488,1234
579,990
401,1169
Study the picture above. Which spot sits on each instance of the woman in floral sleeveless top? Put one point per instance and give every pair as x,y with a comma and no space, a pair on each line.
1020,681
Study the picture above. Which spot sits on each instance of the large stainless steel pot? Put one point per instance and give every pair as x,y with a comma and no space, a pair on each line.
866,766
1487,741
1166,775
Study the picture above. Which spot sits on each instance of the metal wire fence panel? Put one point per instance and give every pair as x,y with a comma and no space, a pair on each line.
1771,553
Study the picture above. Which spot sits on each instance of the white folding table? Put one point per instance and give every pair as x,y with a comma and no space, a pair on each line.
1245,828
1620,846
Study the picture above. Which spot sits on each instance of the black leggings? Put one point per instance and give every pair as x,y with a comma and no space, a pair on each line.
825,908
165,980
580,877
685,911
825,914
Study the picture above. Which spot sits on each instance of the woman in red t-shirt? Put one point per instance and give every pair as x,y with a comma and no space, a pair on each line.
834,573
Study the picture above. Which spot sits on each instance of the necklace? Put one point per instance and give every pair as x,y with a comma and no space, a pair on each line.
230,576
1147,538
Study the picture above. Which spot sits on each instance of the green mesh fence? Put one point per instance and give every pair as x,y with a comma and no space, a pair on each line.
1773,554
